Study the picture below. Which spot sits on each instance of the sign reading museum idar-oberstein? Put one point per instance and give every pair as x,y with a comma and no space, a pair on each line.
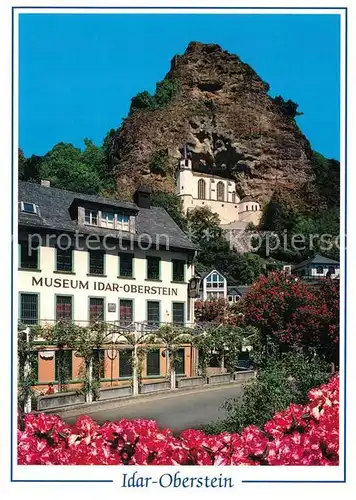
101,286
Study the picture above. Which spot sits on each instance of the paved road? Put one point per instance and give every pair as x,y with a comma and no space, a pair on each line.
178,411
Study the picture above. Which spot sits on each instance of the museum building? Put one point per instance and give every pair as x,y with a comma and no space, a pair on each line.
85,258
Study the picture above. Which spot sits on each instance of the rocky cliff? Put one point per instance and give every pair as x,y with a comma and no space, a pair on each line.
219,107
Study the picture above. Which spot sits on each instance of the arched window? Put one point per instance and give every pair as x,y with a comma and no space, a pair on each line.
215,280
201,189
220,190
246,208
319,270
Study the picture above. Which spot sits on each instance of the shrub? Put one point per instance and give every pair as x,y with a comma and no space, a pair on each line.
143,100
279,383
288,108
165,90
289,312
159,163
218,311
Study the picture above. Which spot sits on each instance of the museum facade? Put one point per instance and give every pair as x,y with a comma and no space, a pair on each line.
83,258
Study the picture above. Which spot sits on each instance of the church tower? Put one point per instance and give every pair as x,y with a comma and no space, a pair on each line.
185,181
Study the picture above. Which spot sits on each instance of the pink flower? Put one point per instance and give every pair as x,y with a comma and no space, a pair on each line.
299,435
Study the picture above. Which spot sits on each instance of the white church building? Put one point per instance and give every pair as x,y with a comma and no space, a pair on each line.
198,189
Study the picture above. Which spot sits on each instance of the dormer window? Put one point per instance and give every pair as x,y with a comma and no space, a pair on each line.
107,219
28,208
91,217
123,222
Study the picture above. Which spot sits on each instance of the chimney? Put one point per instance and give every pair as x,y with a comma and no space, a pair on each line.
45,183
142,197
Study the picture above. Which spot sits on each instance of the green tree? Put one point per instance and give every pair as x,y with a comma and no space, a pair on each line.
143,100
172,204
68,167
29,168
107,145
289,108
278,215
327,179
96,157
165,91
65,167
215,252
21,164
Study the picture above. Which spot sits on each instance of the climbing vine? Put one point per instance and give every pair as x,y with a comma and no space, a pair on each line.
88,342
26,372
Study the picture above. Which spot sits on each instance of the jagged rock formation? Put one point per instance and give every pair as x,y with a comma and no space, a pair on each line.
230,125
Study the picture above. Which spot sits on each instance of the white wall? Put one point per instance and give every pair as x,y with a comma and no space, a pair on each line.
222,291
81,297
253,216
314,272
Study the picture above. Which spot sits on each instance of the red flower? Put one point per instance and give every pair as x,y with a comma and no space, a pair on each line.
299,435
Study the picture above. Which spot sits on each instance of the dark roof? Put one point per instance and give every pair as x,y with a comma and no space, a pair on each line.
54,214
102,201
317,259
241,290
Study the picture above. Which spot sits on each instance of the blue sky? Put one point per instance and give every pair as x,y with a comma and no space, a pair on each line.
78,72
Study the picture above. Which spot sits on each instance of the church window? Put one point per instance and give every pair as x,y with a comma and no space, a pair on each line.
220,191
201,189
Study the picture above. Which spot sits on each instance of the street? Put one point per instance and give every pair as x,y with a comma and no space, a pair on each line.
177,411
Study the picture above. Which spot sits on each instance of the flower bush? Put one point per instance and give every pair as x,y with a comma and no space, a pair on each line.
218,311
299,435
290,312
